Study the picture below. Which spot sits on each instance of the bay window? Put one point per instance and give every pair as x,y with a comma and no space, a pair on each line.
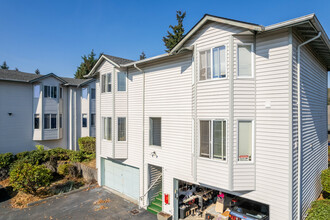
212,63
121,81
107,130
244,60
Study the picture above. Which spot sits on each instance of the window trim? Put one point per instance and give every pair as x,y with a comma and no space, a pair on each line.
50,121
211,54
118,81
211,158
253,141
117,136
252,61
161,131
50,92
103,128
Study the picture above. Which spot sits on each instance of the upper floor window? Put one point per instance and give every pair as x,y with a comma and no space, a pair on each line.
155,131
213,139
92,93
36,91
50,91
212,63
92,120
244,60
84,120
121,129
84,93
107,128
106,81
245,140
36,121
121,81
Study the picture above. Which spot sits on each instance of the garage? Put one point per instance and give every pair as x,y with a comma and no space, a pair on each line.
121,178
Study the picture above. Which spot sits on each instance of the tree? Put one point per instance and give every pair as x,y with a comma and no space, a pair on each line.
86,66
37,71
142,56
4,66
178,32
16,69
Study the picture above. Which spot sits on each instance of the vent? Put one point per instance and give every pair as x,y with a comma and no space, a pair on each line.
135,212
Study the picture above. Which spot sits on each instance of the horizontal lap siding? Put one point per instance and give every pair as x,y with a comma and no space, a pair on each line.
314,125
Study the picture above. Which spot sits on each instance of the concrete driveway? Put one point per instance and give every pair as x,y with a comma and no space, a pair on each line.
79,205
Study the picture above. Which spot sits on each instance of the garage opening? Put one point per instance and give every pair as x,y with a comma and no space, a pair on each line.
197,202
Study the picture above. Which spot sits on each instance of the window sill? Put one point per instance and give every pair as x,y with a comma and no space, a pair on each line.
155,146
212,80
242,77
105,140
213,160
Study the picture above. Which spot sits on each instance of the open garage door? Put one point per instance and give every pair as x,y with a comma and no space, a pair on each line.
122,178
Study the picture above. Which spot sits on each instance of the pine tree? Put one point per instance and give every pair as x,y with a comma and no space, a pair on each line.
16,69
37,72
4,66
142,56
86,66
178,32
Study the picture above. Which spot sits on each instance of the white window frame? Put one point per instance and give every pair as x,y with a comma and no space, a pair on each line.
211,140
161,130
117,125
50,122
103,128
211,52
253,141
252,61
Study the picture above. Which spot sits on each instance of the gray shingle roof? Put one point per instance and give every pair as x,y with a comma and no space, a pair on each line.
118,60
17,76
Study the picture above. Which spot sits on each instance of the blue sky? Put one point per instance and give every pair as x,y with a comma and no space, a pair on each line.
53,35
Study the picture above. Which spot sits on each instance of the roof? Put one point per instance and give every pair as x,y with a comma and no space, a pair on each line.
307,26
18,76
118,60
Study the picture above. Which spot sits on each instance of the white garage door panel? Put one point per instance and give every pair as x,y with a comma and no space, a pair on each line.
122,178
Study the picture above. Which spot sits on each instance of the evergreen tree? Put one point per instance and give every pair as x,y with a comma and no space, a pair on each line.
178,32
4,66
16,69
86,66
142,56
37,72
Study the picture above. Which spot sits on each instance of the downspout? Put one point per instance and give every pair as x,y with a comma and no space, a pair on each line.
299,121
143,103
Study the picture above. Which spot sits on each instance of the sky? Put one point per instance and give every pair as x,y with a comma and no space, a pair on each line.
52,35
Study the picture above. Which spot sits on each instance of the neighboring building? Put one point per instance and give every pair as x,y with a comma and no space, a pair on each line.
234,107
44,110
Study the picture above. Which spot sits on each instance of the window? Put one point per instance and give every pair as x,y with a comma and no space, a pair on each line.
213,139
215,57
92,120
155,131
36,121
46,121
107,128
50,91
109,80
61,92
121,129
205,65
103,83
36,91
84,93
244,60
53,121
84,120
121,81
61,120
92,93
219,62
245,140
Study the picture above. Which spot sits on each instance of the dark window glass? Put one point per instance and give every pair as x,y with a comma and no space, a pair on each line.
84,120
122,129
46,121
36,121
53,121
60,120
93,120
92,93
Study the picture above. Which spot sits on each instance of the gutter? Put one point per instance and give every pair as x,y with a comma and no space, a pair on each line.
299,123
143,130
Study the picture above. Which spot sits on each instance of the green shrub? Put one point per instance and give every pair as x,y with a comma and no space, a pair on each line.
80,156
29,178
40,147
325,180
58,154
63,169
319,210
22,155
32,157
87,144
6,160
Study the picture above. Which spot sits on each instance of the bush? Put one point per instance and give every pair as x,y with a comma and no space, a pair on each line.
58,154
29,178
325,180
6,160
22,155
87,144
80,156
63,169
319,210
33,157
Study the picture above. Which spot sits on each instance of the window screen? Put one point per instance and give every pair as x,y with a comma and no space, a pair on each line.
219,139
205,65
121,129
107,128
219,62
244,61
121,81
155,131
245,140
205,138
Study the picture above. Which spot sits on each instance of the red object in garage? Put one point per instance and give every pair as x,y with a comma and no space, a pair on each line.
166,198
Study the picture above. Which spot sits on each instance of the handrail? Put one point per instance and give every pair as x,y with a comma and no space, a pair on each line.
141,197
